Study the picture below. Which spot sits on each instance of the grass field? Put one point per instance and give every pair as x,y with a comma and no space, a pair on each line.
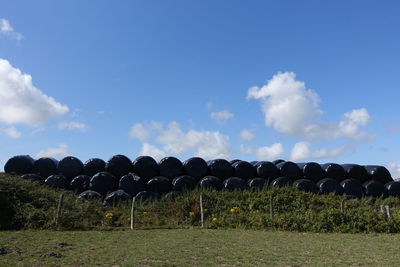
196,247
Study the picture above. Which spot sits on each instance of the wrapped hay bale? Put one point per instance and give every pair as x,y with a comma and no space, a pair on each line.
93,166
21,164
45,167
70,167
220,168
183,183
145,167
196,167
170,167
334,171
306,185
234,183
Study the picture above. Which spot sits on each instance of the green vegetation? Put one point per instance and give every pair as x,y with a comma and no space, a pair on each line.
28,205
196,247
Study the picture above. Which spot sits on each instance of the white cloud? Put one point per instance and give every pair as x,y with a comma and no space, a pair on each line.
7,30
246,135
302,151
12,132
394,168
55,152
174,141
247,150
270,152
72,125
21,102
206,144
150,150
140,132
221,116
292,109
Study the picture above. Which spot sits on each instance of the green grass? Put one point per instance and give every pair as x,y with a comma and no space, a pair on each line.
196,247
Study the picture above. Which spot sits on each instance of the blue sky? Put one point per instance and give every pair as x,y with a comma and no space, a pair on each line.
256,80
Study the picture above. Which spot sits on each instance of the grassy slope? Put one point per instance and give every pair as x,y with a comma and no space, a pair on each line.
196,247
28,205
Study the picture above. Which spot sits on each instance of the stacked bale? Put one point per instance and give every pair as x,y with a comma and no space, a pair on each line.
144,177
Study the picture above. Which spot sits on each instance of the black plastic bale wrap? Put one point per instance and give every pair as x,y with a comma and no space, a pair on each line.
210,182
57,181
45,167
116,197
378,173
70,167
234,183
312,171
375,189
233,161
393,188
102,183
119,165
329,186
33,177
334,171
93,166
160,185
172,195
146,167
257,183
184,183
282,181
80,183
306,185
267,170
290,169
132,184
220,168
195,167
277,161
352,187
21,164
146,196
170,167
244,170
355,171
254,162
89,194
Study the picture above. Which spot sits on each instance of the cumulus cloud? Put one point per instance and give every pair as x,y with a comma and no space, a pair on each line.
55,152
8,31
221,116
246,135
72,125
292,109
394,168
270,152
247,150
140,132
21,102
150,150
302,151
175,141
12,132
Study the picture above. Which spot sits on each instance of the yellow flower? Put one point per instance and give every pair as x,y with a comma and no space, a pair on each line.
145,213
109,215
191,214
214,219
234,209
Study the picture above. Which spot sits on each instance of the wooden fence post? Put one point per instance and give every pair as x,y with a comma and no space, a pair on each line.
201,211
271,210
59,208
132,213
